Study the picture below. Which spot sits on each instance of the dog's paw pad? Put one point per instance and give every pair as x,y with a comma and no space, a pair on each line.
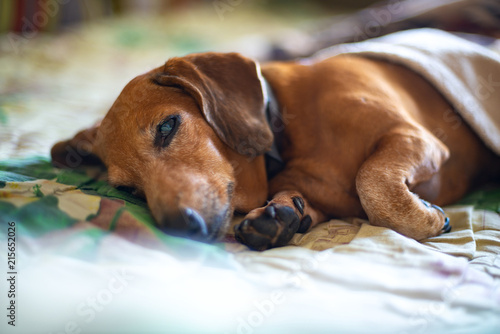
273,228
247,234
305,223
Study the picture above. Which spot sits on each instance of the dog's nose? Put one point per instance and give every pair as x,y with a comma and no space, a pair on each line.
188,223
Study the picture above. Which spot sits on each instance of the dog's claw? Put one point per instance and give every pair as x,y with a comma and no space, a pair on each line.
439,209
427,204
299,204
447,227
270,211
273,228
305,223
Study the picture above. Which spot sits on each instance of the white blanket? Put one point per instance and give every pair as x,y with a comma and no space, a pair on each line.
467,74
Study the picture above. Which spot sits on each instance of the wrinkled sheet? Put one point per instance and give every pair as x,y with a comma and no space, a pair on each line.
96,260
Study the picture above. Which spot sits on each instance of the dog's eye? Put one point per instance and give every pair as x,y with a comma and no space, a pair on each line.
167,127
166,131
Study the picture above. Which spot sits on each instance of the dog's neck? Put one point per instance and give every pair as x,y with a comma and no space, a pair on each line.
274,162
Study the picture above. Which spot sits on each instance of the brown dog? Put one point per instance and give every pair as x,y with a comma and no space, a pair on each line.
355,135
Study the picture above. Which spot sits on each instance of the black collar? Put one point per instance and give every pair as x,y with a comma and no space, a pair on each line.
274,162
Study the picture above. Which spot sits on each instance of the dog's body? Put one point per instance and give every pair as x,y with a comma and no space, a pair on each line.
360,137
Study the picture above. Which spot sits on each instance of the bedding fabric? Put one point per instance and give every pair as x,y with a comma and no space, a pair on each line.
90,260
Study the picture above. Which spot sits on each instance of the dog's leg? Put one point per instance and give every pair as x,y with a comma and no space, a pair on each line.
275,224
401,161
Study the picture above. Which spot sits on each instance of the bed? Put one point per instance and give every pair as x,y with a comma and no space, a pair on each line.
89,259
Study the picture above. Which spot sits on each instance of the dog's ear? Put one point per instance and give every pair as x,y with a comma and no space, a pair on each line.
78,151
229,93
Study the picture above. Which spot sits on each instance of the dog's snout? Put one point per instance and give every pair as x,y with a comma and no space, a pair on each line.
186,223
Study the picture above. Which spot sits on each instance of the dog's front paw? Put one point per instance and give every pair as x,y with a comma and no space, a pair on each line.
272,226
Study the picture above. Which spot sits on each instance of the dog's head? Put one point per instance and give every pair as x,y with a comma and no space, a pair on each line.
189,137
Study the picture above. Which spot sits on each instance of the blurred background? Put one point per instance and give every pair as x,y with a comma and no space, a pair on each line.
63,62
63,13
190,25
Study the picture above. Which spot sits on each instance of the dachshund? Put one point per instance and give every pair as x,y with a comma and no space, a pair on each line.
290,145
